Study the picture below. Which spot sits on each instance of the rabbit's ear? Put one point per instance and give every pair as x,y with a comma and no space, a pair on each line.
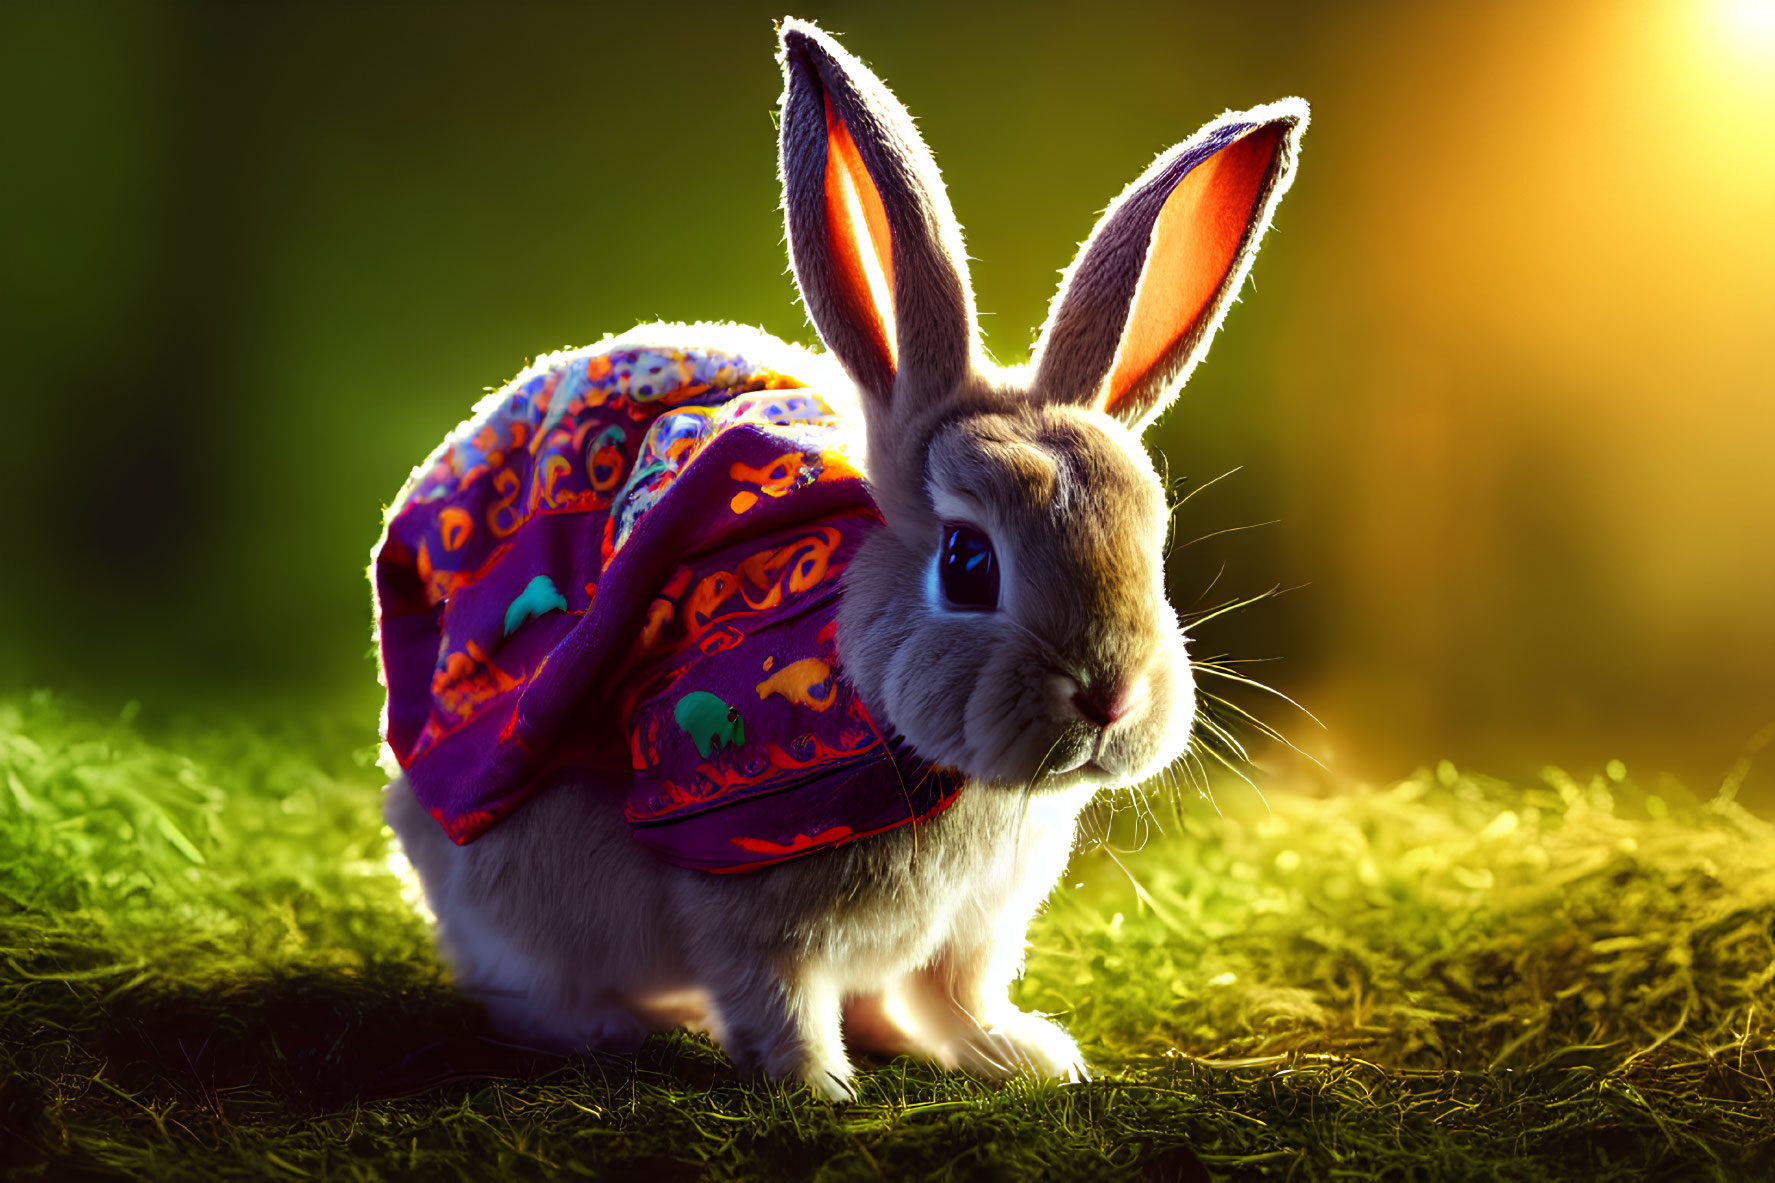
875,247
1140,303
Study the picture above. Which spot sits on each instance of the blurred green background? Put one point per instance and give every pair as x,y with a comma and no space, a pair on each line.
1502,382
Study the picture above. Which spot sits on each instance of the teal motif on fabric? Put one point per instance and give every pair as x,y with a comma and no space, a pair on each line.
709,722
539,598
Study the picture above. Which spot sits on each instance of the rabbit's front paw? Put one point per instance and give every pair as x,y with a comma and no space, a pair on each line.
789,1033
833,1081
1016,1043
830,1076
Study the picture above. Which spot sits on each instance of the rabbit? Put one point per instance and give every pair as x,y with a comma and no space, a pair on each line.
1000,617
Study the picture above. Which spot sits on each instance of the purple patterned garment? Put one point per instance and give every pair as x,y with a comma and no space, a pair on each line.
625,568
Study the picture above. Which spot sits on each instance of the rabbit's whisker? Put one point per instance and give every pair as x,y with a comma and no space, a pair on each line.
1140,891
1203,594
1171,510
1234,605
1182,501
1219,732
1218,533
1236,771
1198,775
1218,669
1041,768
1263,727
1146,806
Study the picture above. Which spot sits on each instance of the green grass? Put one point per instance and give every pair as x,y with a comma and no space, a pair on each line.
207,970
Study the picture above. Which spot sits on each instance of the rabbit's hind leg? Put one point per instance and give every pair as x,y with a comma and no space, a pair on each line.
870,1025
533,1001
514,923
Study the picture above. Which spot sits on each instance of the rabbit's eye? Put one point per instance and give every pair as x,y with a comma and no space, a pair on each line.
969,568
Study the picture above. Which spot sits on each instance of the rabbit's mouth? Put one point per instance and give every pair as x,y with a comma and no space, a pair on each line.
1098,768
1072,754
1065,747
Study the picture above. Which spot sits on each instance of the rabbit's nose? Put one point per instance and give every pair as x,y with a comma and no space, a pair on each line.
1103,705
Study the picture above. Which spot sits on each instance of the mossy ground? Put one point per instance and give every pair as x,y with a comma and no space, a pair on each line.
208,970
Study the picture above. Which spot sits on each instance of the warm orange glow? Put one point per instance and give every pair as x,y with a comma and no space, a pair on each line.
1545,388
861,246
1193,246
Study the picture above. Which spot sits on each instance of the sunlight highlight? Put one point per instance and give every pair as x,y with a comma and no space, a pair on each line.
412,894
1751,23
1738,46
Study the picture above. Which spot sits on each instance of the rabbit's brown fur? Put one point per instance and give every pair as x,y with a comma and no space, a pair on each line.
1079,517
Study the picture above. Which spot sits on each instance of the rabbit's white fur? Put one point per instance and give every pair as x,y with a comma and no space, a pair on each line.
576,938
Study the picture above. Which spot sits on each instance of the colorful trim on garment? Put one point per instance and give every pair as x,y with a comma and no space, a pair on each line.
625,569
